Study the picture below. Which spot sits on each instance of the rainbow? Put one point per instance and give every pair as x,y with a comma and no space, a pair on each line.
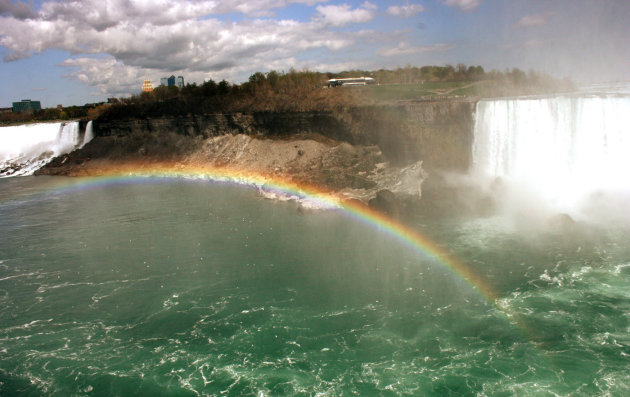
305,193
283,187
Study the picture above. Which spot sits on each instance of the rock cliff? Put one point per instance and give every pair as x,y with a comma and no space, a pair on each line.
359,150
438,132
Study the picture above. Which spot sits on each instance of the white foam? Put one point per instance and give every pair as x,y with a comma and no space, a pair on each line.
89,134
305,202
26,148
621,268
564,149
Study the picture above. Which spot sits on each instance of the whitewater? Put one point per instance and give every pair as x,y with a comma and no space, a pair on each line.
568,153
26,148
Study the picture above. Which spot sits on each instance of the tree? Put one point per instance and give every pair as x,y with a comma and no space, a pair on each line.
445,73
517,76
257,79
223,88
474,73
460,73
209,88
272,78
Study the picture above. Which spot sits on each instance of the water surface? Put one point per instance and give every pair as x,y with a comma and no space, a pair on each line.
176,287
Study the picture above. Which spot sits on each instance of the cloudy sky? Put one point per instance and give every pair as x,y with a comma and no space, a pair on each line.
77,51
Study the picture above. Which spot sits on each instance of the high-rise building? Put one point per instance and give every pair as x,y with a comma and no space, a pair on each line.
169,81
26,105
147,86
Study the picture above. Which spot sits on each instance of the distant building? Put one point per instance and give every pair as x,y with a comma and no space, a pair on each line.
147,86
26,105
169,81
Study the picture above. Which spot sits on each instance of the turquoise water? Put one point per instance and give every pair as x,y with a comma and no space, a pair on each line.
186,288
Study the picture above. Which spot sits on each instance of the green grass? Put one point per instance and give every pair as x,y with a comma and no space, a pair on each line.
473,90
415,91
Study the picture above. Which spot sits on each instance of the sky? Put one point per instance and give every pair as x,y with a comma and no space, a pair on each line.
82,51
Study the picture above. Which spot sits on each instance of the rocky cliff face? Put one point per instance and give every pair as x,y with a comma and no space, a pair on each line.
364,153
437,132
269,124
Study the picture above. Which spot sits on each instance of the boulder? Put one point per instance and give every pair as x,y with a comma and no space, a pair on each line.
387,202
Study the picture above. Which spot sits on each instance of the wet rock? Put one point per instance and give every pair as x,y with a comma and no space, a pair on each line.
387,202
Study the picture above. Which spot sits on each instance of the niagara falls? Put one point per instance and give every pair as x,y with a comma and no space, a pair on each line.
212,281
314,198
27,147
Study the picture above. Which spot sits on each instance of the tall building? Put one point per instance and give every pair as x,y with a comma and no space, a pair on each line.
169,81
147,86
26,105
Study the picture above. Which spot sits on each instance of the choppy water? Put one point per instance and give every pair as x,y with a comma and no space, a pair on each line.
185,288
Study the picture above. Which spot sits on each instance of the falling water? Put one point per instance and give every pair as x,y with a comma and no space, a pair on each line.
565,149
89,134
26,148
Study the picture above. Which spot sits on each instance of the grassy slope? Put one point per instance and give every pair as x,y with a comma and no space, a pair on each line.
388,92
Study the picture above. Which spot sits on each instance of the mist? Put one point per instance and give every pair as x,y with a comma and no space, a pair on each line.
550,162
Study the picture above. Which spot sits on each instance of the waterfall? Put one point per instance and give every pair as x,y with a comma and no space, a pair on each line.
89,134
565,149
28,147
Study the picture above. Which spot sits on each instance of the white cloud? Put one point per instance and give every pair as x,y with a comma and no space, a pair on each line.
116,44
369,6
533,20
111,77
463,5
404,48
405,11
340,15
259,7
171,34
108,12
18,10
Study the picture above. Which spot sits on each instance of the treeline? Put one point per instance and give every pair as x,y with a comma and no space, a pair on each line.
51,114
272,91
275,91
302,91
517,82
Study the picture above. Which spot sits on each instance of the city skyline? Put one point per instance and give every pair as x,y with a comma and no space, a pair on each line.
75,52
